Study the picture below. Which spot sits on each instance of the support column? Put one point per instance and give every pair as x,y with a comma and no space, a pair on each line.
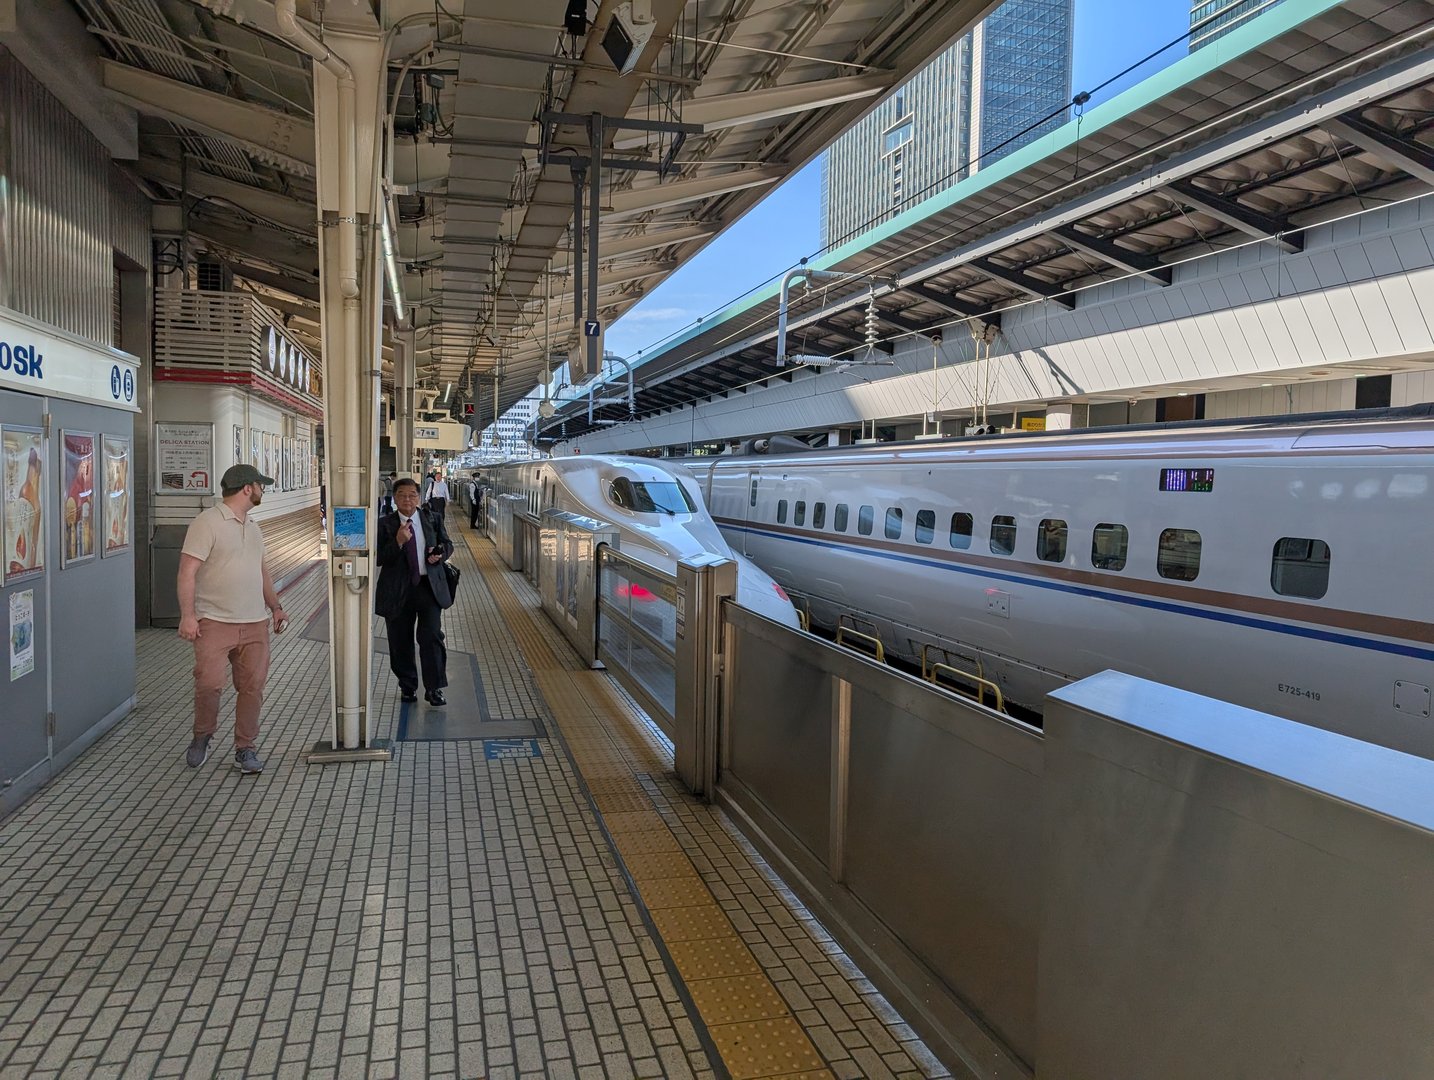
405,373
349,90
1059,417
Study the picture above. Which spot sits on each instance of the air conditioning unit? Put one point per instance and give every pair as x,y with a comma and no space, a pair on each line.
212,275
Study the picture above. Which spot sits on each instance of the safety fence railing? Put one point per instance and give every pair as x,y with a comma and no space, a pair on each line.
637,632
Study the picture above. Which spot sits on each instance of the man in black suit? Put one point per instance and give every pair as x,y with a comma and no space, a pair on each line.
413,586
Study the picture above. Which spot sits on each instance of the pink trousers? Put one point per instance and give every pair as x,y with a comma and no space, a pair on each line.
245,646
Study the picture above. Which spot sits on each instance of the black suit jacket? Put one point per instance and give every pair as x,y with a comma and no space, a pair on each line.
391,592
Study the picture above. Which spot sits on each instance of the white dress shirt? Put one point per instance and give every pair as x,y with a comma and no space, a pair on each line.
439,490
417,527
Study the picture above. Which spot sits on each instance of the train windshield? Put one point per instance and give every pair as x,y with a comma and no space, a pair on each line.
650,497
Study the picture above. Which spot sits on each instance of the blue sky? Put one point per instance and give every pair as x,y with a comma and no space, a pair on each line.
1110,35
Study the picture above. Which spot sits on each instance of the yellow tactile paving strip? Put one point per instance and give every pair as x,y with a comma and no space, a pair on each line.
749,1022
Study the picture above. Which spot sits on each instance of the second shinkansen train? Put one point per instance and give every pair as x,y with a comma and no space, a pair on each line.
1281,565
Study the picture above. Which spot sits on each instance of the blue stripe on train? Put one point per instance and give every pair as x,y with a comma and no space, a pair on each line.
1414,651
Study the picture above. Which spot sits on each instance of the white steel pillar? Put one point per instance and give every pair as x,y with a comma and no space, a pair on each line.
405,373
349,91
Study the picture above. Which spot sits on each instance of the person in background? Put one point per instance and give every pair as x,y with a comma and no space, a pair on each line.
225,601
413,587
385,497
475,503
438,495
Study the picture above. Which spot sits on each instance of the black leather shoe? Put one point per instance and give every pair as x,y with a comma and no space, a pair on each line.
435,697
408,695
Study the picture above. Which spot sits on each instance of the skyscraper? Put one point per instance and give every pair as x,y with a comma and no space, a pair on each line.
1000,86
1210,19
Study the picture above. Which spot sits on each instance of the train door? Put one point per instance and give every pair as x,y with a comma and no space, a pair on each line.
750,512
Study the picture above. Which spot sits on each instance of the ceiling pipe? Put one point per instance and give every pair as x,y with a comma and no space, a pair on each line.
297,35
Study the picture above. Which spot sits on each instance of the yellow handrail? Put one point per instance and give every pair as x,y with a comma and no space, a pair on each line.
880,649
926,666
957,673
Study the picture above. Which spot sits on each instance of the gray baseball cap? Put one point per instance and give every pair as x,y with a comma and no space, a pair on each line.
236,476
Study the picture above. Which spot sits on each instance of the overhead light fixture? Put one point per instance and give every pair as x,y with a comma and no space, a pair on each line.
447,392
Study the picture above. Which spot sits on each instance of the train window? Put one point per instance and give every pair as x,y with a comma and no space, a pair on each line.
925,526
799,513
839,517
753,496
893,523
819,515
1179,557
1300,567
781,511
1051,540
961,530
864,518
650,497
1003,534
1108,546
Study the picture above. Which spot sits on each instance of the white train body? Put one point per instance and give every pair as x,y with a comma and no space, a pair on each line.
1337,636
630,493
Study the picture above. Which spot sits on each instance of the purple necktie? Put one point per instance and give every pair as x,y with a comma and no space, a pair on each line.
411,548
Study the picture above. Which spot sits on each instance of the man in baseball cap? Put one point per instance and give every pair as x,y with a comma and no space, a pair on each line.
225,600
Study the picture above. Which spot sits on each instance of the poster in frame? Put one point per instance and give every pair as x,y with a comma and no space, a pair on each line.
184,457
114,459
79,521
238,445
254,447
22,501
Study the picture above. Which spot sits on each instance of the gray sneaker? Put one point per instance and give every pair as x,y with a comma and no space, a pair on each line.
247,761
198,752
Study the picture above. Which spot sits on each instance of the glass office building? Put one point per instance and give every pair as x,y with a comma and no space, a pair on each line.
1211,19
1002,85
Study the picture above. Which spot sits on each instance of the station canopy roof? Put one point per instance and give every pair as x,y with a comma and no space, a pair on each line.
490,100
1315,109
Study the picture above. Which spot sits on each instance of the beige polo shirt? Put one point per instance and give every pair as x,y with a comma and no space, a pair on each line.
229,587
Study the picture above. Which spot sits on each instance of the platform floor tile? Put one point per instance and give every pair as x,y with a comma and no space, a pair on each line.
439,915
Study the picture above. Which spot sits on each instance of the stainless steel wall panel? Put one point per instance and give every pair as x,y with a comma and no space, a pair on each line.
779,745
59,237
944,840
130,221
1230,894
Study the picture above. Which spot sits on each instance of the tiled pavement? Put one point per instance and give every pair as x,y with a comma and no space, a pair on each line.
439,915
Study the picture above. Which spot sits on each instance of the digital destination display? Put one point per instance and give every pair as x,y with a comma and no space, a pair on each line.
1187,479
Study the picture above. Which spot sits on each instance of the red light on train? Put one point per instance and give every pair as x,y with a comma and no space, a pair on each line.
636,592
781,592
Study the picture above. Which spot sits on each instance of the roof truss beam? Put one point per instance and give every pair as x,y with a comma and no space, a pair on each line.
638,200
1395,149
1027,284
944,300
1236,215
284,141
1132,262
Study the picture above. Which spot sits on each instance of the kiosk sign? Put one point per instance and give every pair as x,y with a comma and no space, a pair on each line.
40,359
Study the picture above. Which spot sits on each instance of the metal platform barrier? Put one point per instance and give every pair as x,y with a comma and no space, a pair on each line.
1159,885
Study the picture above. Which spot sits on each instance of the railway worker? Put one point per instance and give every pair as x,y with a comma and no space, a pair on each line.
475,502
413,587
225,602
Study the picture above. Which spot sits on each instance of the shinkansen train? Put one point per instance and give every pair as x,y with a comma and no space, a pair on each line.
659,515
1284,565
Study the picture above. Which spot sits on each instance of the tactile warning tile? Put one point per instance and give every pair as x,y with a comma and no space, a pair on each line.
658,864
673,891
621,802
713,958
765,1048
737,999
690,923
613,785
639,821
643,843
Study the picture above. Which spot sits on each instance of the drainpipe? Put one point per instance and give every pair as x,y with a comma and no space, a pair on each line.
350,490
